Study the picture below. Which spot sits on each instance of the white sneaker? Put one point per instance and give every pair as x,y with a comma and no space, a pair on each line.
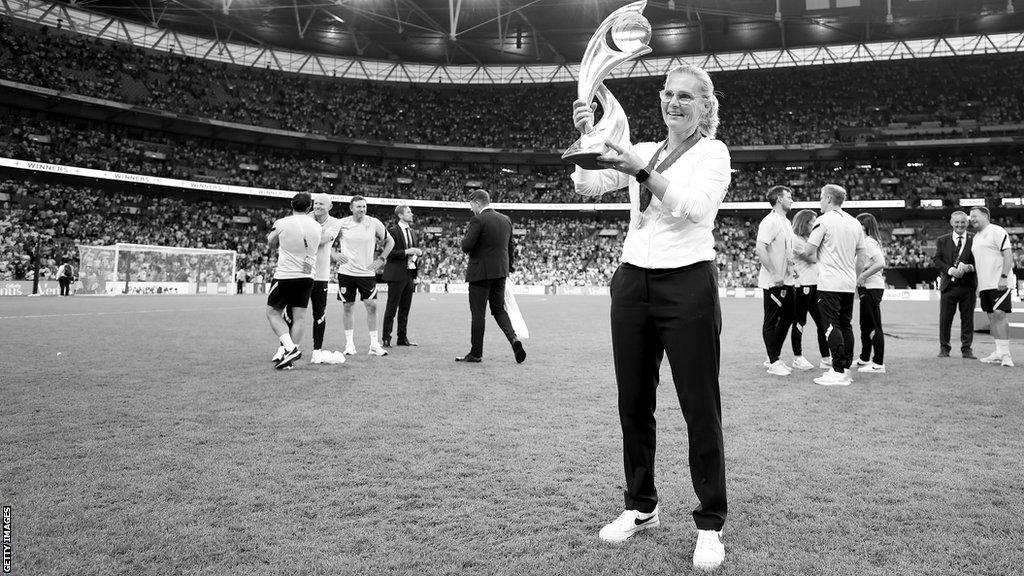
1007,361
280,354
350,350
863,362
801,363
778,368
336,357
833,378
993,358
872,368
766,363
825,363
709,552
628,523
317,357
377,350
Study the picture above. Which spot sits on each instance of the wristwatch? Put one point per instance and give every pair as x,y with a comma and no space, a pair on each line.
642,175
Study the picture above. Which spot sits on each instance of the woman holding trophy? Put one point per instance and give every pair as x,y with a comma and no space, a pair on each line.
665,295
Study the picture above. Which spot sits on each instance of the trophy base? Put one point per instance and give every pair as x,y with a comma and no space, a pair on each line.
584,159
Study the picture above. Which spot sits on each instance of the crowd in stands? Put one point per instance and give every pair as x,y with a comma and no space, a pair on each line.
790,106
49,221
61,140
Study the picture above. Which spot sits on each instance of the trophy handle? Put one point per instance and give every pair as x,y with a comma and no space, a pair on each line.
613,127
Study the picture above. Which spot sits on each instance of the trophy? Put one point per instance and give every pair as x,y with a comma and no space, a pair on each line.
622,36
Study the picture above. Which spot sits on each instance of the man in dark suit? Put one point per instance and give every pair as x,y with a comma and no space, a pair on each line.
488,241
400,274
958,284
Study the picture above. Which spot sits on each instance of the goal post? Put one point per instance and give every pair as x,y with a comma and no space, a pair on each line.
144,269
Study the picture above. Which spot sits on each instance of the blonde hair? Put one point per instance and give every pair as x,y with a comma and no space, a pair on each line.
708,124
835,192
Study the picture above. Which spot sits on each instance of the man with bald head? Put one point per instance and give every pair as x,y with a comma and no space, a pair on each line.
958,284
330,227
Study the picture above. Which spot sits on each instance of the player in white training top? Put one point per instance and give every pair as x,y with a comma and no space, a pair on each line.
993,262
296,238
357,271
834,242
774,249
330,228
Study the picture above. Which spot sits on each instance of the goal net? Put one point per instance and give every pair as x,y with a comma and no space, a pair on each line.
143,269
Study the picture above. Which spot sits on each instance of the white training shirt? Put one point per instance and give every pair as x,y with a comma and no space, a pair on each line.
776,232
838,237
331,227
988,255
358,243
298,238
679,231
804,273
871,248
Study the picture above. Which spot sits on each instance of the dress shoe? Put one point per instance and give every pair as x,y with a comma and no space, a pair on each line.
517,348
406,342
386,342
943,354
968,355
468,358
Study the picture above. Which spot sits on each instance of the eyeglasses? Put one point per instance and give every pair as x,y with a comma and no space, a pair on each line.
667,96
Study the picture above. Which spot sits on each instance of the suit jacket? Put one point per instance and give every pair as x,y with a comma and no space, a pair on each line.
945,258
397,266
488,241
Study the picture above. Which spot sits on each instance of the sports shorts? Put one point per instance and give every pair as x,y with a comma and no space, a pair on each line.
365,286
290,292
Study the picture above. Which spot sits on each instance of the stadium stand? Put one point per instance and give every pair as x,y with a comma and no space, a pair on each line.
949,98
556,250
105,146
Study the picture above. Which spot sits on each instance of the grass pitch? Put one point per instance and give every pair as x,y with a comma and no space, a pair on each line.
150,435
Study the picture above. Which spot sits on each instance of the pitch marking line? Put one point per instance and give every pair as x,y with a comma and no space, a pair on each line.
121,312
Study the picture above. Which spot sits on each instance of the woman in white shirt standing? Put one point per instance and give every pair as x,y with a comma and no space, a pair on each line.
664,299
805,288
870,286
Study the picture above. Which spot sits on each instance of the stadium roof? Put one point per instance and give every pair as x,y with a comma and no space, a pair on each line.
529,32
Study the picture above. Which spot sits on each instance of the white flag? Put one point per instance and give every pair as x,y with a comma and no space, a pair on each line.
518,323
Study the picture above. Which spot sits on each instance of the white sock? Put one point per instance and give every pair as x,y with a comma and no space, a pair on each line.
1002,347
286,341
350,338
373,338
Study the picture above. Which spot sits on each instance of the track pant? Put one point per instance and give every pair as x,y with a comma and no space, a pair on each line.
836,310
962,298
805,302
778,316
675,313
871,337
318,299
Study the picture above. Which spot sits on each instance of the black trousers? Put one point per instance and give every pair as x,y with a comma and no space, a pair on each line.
805,302
962,298
318,300
240,284
481,293
399,302
673,312
65,286
836,309
778,316
871,337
